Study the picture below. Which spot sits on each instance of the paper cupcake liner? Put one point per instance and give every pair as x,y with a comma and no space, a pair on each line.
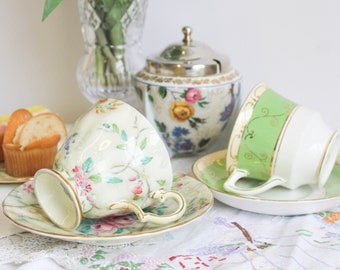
26,163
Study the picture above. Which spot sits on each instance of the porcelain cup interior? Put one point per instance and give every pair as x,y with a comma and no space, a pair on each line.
189,113
279,142
113,162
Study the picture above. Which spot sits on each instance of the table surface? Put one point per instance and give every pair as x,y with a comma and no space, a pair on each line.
223,238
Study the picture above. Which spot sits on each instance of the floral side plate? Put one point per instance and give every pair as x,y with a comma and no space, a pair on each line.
7,179
22,208
210,170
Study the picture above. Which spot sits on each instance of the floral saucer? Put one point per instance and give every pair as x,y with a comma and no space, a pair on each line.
7,179
22,208
210,170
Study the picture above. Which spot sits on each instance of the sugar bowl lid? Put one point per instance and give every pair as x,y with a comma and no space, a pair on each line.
188,59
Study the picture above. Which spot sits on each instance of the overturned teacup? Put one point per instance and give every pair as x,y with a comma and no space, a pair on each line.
112,163
279,142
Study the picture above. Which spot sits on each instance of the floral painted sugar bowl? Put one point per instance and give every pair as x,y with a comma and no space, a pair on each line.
189,94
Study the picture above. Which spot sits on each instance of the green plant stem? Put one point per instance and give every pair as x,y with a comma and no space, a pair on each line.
100,67
110,43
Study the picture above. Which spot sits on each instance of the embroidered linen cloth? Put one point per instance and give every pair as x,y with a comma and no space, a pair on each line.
225,238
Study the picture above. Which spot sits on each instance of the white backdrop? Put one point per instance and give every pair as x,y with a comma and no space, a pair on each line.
293,46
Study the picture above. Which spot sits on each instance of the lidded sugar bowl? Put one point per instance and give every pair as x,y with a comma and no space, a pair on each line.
189,94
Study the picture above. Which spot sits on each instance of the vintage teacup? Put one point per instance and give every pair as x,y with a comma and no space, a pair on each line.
279,142
112,163
189,94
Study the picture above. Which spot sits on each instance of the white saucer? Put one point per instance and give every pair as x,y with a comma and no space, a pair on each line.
210,170
22,208
7,179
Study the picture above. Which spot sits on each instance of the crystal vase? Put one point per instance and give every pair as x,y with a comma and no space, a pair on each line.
112,34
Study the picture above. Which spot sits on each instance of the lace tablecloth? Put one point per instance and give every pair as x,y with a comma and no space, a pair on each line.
224,238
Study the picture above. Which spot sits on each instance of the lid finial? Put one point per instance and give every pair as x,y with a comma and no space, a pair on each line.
187,35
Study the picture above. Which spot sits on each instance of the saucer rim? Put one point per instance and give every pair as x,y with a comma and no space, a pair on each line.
113,239
235,199
7,179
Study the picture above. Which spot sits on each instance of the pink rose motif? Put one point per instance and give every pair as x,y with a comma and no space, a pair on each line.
193,95
137,189
133,179
122,222
29,188
111,224
179,185
82,183
105,227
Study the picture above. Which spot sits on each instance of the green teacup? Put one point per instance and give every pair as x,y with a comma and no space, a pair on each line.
279,142
256,132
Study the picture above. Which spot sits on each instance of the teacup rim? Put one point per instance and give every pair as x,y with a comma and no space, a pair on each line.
71,192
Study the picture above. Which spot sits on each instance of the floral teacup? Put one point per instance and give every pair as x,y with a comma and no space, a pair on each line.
112,163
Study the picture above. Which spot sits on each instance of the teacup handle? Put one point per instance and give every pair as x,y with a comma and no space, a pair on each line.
230,184
160,195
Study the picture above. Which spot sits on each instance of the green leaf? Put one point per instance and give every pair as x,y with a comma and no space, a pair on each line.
203,142
121,146
95,178
119,230
202,103
183,95
84,261
98,257
146,160
161,126
101,252
125,264
143,143
105,125
115,128
124,135
136,197
161,182
87,165
162,91
150,98
49,6
94,266
115,180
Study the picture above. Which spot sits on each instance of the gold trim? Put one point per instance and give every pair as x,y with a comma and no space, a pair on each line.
159,195
241,122
325,154
78,204
279,141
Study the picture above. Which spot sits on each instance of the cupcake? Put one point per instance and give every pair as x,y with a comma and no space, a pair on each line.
35,110
31,142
